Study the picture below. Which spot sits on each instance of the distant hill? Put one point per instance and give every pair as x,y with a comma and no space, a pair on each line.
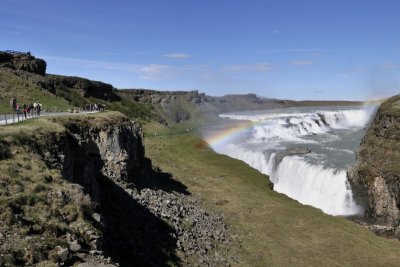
23,76
193,108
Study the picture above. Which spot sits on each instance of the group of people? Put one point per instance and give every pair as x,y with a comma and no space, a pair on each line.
32,109
93,107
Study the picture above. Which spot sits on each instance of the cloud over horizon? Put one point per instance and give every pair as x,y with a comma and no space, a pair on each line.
259,67
177,55
301,62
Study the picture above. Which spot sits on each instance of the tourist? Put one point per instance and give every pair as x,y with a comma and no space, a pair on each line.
25,110
31,110
38,109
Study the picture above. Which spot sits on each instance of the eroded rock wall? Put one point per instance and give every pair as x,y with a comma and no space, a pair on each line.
23,61
146,217
377,169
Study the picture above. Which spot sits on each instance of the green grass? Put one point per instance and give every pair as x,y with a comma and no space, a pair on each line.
143,112
26,92
276,230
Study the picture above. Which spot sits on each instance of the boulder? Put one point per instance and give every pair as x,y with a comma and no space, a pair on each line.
290,151
74,246
62,253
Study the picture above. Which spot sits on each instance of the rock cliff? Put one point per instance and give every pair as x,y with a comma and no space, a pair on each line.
22,61
376,174
107,203
86,88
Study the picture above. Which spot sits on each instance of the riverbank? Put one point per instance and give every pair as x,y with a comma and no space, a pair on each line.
270,228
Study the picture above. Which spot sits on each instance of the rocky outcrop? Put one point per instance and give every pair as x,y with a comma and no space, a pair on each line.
376,174
145,217
290,151
181,116
84,87
22,61
157,97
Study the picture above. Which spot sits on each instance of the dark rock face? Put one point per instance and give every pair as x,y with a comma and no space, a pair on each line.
145,217
23,61
85,87
5,57
103,160
377,170
157,97
182,116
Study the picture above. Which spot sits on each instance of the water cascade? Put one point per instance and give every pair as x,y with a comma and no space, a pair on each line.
317,178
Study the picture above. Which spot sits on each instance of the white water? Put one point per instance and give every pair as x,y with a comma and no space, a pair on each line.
317,179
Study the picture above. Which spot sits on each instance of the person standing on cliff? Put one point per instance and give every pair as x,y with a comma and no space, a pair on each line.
38,109
25,110
31,110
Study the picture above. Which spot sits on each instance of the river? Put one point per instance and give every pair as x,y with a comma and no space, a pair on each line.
331,135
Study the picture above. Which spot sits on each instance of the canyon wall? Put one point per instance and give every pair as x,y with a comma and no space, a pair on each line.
376,174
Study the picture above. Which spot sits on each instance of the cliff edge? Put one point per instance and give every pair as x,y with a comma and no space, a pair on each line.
78,189
376,173
22,61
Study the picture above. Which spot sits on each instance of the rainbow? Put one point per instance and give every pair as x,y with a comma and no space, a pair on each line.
222,136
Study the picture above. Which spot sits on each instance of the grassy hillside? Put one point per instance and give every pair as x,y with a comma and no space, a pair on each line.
272,229
26,92
58,93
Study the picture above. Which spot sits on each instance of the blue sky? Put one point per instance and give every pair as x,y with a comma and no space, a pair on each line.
299,49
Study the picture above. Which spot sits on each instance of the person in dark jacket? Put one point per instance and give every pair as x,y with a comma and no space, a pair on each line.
25,110
38,109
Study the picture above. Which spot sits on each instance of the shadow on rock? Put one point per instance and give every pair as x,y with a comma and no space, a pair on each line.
132,235
156,179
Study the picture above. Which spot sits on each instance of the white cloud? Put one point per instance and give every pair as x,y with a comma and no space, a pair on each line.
177,55
157,72
260,67
153,68
146,72
301,62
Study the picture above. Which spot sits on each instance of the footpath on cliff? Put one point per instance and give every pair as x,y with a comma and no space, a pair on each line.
10,119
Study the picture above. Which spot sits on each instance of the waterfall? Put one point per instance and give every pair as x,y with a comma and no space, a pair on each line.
309,182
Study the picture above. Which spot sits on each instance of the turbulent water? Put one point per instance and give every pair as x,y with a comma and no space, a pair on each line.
318,178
